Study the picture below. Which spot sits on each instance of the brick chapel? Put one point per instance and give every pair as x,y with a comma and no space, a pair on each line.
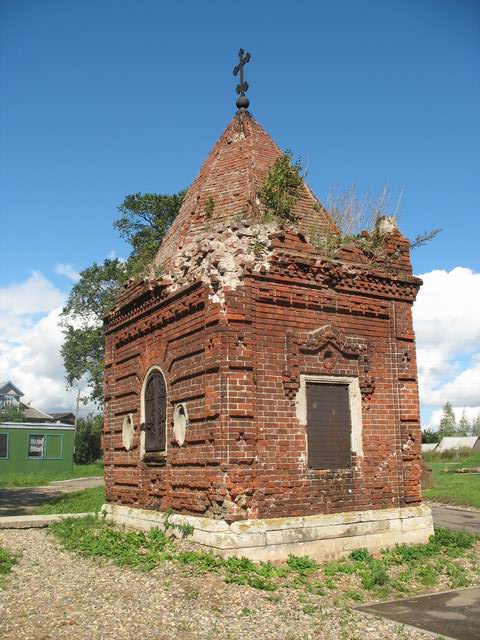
264,391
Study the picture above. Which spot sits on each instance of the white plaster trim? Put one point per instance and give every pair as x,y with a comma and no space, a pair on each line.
180,423
355,399
155,367
37,425
128,429
321,536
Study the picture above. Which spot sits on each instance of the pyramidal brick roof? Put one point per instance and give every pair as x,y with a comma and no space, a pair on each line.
230,179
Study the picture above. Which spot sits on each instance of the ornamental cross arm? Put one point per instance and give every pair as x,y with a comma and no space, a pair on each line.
242,86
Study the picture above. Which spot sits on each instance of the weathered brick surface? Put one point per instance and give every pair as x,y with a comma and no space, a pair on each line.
237,365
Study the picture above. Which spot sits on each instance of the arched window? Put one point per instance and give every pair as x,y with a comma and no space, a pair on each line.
155,412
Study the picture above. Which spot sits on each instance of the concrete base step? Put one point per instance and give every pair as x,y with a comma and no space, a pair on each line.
33,522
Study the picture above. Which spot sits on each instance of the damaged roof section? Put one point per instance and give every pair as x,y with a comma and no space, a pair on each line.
219,257
225,190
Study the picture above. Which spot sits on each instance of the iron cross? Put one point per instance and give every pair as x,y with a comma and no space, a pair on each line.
243,86
242,101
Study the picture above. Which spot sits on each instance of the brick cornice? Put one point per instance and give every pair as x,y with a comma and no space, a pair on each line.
149,300
343,278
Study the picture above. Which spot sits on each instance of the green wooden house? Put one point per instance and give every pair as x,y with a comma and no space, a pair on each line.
28,447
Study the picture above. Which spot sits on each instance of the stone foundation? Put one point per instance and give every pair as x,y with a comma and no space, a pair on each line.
324,536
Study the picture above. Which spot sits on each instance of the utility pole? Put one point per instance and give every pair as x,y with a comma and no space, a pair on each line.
76,410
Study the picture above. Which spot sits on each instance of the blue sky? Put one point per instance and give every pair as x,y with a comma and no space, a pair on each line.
105,98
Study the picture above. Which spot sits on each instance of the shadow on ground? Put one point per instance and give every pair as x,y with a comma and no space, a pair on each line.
459,519
21,501
452,614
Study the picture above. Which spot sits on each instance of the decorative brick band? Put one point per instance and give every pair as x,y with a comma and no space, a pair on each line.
332,351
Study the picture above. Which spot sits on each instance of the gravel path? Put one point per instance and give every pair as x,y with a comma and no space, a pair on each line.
56,595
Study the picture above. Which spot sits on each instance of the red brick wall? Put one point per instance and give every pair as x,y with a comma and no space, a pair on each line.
238,371
176,335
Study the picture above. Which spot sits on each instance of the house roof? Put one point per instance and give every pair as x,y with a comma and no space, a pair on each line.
37,425
8,386
227,186
457,442
65,416
429,446
35,414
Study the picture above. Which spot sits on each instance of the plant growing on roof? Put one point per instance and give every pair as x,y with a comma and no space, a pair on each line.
281,189
258,248
358,222
209,208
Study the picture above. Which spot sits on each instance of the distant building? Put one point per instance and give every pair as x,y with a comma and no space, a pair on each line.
460,442
65,418
27,447
10,396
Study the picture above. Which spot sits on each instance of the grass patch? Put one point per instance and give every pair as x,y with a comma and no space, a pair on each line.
91,537
450,455
39,479
454,488
84,501
400,570
7,560
408,568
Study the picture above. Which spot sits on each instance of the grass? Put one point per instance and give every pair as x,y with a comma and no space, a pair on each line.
7,560
448,557
451,455
86,500
399,569
40,479
454,488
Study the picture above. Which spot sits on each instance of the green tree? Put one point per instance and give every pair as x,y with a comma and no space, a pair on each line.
12,414
88,439
463,427
429,435
448,423
83,348
475,428
143,222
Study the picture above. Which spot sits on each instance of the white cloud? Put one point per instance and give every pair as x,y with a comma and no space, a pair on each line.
464,389
447,325
447,310
30,341
33,362
35,295
64,269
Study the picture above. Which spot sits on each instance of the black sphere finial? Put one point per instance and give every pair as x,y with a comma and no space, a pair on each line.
242,87
242,102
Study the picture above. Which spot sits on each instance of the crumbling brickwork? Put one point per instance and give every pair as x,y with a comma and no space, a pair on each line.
243,311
